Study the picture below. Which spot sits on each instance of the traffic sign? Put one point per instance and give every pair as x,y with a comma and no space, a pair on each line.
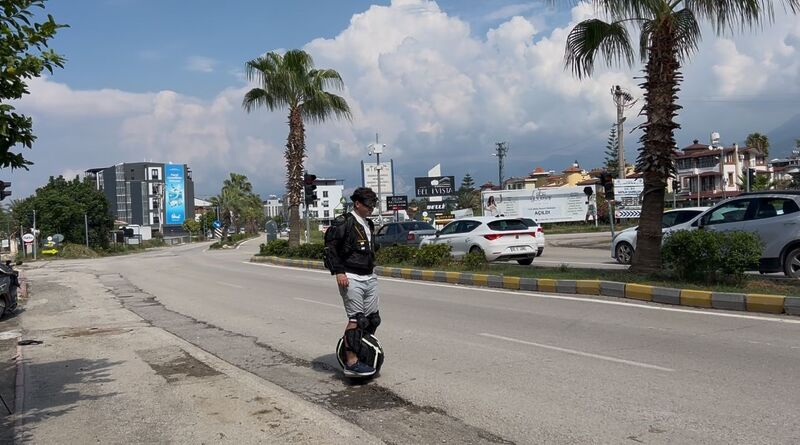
216,224
28,238
397,202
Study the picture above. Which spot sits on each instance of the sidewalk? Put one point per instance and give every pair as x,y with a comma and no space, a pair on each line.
103,375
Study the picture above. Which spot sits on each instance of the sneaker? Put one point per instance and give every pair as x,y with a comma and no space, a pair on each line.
358,370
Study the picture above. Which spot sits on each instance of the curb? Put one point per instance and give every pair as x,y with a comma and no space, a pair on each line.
770,304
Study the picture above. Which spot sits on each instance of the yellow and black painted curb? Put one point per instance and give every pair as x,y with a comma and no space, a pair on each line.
773,304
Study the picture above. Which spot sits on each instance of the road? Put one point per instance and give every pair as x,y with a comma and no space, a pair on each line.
467,365
579,250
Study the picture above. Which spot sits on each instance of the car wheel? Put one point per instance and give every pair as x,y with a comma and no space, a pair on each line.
624,253
525,262
3,305
539,252
476,249
791,264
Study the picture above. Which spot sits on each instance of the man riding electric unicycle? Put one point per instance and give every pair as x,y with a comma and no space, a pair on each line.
350,256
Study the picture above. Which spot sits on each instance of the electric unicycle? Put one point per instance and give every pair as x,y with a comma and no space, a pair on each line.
371,353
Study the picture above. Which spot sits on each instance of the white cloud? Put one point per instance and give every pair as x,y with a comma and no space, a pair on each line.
510,11
200,64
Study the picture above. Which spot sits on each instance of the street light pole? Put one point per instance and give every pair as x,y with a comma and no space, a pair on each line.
35,238
86,227
378,149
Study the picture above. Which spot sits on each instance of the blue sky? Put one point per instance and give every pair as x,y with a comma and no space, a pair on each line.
441,81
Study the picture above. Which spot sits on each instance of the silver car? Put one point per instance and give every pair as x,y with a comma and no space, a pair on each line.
772,215
624,242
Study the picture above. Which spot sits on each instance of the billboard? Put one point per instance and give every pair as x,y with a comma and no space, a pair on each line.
369,175
397,202
628,193
174,195
545,205
435,186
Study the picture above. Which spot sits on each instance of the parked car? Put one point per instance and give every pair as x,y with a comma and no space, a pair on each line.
409,233
539,234
772,215
624,242
497,238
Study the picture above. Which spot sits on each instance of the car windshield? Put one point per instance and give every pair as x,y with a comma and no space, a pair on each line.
507,224
417,225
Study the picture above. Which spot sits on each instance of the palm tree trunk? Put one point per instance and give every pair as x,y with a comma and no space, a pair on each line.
656,158
295,153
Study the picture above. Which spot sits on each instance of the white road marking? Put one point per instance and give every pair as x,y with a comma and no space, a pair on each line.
230,285
611,265
580,353
560,297
337,306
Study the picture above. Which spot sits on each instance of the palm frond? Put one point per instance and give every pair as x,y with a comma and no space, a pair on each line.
319,105
731,14
591,36
258,97
623,9
687,32
327,78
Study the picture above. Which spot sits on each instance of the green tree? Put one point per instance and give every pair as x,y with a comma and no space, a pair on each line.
239,206
60,208
25,55
669,35
466,195
290,81
760,182
758,141
192,226
207,221
612,153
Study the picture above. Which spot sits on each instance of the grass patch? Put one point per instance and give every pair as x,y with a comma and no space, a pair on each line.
233,240
555,229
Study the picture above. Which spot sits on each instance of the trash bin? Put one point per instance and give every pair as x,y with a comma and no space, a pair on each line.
9,282
272,230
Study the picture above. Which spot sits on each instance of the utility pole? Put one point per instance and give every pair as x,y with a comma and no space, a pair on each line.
35,237
501,152
86,227
377,149
622,100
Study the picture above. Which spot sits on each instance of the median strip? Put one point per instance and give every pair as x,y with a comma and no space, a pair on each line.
773,304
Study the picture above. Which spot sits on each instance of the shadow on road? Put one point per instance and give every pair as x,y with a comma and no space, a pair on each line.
55,388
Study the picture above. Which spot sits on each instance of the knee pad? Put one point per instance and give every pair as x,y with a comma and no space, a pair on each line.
361,321
374,321
352,340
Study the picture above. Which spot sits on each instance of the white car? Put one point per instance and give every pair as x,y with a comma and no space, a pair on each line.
497,238
624,242
539,234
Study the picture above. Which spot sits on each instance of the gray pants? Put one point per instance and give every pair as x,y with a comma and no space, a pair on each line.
360,296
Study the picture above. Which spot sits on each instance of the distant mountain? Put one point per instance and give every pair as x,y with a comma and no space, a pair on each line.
781,139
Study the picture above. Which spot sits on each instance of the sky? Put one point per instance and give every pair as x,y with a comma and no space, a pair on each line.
440,82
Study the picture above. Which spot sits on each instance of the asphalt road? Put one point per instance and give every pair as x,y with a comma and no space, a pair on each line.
498,366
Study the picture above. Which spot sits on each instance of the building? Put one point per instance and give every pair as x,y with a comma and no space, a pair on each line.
707,173
148,194
273,208
786,169
330,201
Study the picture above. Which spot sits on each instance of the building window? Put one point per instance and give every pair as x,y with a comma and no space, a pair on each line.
324,193
730,179
684,164
327,213
729,158
707,161
325,203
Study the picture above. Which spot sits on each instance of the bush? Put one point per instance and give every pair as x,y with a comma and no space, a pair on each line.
311,251
474,261
275,248
432,255
706,256
395,255
69,250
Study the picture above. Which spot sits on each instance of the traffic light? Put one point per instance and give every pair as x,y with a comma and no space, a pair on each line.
607,181
676,186
751,178
309,188
3,192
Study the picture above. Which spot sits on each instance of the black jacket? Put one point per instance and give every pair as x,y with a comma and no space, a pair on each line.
347,247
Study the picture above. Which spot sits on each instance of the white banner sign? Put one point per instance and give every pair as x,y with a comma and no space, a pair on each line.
544,205
371,177
628,188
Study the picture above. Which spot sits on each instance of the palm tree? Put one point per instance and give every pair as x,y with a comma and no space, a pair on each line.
669,35
290,81
758,141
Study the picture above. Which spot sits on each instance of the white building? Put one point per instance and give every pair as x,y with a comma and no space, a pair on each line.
273,207
329,200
